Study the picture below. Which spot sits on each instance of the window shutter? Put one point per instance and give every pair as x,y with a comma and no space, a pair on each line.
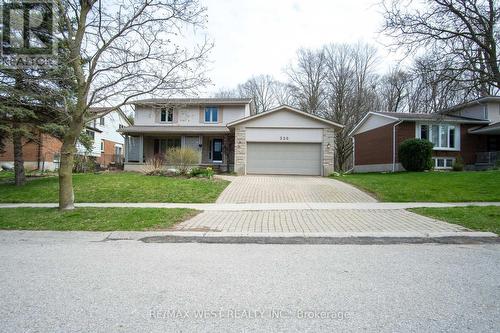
202,115
175,116
156,113
221,112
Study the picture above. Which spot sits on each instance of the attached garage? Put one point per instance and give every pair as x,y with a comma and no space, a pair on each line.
284,158
284,141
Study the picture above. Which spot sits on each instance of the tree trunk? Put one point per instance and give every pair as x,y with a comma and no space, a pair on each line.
17,140
68,149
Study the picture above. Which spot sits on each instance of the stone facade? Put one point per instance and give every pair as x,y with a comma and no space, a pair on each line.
240,150
328,151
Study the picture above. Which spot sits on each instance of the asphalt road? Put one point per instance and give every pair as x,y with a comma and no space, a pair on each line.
73,283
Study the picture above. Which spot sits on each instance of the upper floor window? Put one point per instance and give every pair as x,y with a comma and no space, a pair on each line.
101,121
91,134
211,114
443,136
167,115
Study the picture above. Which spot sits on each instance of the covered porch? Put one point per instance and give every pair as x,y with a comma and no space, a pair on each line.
214,148
488,154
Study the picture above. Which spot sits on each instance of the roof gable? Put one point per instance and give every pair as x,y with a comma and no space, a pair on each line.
285,116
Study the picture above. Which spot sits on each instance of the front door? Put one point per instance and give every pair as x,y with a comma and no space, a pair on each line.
217,150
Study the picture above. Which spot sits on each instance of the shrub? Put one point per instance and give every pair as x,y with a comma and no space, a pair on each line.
84,163
198,172
182,159
416,154
153,166
458,165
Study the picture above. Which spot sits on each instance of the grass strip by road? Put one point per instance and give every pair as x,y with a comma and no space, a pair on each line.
118,187
429,186
475,218
93,219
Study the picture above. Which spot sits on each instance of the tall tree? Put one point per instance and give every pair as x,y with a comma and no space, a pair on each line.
350,91
464,32
120,50
393,90
308,78
261,89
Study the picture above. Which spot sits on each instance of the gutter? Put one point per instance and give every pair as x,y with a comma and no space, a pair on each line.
394,145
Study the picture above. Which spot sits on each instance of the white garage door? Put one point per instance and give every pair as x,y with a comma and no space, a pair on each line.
284,158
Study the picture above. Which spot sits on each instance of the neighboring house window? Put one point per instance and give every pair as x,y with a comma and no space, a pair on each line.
211,114
91,134
167,115
443,136
101,121
120,126
102,146
443,163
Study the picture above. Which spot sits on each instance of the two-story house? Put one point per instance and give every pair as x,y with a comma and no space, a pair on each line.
108,146
470,130
228,135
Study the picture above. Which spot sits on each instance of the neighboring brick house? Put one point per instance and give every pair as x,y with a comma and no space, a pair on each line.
470,130
40,153
43,151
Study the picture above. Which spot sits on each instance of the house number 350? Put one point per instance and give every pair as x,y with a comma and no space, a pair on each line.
283,138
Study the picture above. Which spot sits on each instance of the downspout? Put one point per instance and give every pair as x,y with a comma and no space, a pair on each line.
394,145
353,153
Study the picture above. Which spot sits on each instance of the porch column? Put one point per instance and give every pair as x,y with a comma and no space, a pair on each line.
141,149
126,148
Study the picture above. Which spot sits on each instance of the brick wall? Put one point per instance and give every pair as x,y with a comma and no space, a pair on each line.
43,148
374,147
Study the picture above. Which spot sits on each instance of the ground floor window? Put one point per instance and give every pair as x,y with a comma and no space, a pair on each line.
162,145
443,162
443,136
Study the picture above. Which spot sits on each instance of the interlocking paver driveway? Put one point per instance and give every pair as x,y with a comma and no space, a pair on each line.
315,221
279,189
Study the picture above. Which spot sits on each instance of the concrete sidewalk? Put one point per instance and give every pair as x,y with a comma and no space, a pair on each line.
263,206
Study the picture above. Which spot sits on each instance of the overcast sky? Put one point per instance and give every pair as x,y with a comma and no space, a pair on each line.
261,36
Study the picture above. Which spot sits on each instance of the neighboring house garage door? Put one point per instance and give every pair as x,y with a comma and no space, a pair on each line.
284,158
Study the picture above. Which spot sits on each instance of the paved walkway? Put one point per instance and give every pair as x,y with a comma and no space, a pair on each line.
290,189
315,222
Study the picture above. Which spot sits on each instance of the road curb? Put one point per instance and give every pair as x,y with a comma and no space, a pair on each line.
339,239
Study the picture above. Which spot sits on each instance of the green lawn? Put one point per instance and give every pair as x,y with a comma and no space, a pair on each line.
429,186
118,187
476,218
6,176
92,219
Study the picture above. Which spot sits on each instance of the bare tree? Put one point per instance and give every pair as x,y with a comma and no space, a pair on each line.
122,49
350,91
283,94
308,78
261,89
464,32
393,90
431,87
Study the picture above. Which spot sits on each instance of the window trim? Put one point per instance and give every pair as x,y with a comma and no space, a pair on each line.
440,126
444,167
211,117
169,113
